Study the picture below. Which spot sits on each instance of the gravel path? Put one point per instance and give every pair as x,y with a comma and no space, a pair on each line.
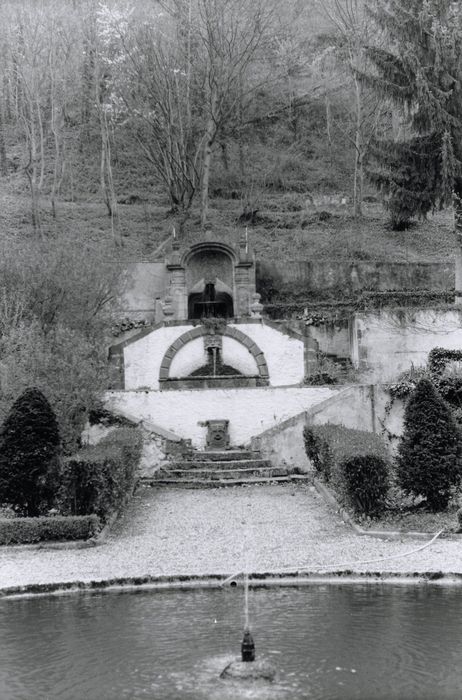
171,531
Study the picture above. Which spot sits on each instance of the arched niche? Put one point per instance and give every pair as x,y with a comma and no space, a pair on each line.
210,280
190,339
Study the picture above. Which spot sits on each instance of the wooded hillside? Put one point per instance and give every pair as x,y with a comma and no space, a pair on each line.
120,121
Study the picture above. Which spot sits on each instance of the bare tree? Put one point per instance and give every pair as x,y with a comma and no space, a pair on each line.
29,63
231,33
177,78
354,30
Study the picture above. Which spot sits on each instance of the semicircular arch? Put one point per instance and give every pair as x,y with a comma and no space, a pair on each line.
208,247
200,331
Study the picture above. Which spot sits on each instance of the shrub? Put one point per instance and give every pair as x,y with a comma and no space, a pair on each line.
69,368
355,462
99,479
31,530
29,454
367,481
317,450
428,454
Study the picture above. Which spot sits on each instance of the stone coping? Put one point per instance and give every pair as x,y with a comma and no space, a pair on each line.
229,381
118,346
256,580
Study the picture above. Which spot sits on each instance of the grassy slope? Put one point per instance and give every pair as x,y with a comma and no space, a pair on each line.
288,228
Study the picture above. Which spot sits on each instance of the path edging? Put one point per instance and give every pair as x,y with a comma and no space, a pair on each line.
328,496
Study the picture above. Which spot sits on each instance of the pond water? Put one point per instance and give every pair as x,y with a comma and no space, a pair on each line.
372,642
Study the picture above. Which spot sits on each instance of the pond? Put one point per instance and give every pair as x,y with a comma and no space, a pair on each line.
327,641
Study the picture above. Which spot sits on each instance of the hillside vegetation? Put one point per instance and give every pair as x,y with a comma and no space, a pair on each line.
287,227
77,157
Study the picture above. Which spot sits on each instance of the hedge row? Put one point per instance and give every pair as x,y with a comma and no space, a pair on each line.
354,462
58,527
100,479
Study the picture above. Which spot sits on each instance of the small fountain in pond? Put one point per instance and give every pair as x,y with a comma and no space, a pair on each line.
247,668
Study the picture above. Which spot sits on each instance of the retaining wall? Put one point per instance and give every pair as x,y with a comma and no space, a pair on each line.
351,277
249,411
361,407
389,342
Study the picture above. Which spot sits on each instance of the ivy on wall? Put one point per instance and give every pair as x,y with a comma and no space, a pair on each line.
439,358
127,324
448,383
324,311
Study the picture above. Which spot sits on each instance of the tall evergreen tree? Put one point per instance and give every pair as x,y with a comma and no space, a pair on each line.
29,453
420,73
429,451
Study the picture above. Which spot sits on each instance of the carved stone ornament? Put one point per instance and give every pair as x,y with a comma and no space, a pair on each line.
217,434
213,341
256,306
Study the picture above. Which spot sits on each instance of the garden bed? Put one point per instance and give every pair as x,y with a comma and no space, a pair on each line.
407,514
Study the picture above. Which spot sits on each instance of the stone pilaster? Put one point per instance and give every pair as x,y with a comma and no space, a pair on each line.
244,282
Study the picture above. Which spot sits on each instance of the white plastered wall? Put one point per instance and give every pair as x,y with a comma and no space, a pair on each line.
239,357
284,355
249,411
188,358
390,342
143,357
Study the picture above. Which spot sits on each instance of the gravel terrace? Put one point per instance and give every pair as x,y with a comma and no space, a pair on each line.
169,531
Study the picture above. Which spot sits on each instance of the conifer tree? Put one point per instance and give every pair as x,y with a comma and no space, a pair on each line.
420,73
428,454
29,453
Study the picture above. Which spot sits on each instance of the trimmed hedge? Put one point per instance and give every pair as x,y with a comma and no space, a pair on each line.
367,481
58,527
100,479
354,462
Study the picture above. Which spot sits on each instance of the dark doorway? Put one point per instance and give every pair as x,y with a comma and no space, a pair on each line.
210,304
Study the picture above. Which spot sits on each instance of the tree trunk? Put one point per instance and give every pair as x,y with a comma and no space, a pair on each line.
206,174
457,208
358,170
3,159
224,155
31,167
210,133
329,127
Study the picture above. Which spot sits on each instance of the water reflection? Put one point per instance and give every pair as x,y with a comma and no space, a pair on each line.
345,642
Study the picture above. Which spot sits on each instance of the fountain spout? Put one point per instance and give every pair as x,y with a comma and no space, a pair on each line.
248,647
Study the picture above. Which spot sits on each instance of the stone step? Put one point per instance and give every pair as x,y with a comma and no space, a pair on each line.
225,474
222,455
209,483
222,464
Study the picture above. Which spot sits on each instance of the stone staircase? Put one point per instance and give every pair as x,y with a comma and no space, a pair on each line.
223,468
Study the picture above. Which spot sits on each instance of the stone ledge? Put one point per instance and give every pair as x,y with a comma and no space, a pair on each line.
167,383
256,580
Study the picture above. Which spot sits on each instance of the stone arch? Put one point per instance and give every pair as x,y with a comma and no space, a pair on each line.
209,246
210,265
200,331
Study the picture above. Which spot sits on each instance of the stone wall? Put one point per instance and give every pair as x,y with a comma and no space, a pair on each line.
361,407
249,411
350,277
389,342
333,338
143,284
284,445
